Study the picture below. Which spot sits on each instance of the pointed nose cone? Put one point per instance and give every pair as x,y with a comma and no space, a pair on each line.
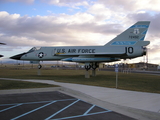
17,57
1,55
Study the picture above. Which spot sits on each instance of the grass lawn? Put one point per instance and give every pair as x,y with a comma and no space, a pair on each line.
10,84
132,81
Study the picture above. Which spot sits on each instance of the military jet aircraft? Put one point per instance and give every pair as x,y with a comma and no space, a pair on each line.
129,44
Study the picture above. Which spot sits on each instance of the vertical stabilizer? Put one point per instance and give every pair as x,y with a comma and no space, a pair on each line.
132,36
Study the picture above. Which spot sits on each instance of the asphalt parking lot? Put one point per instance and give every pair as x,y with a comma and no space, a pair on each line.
52,105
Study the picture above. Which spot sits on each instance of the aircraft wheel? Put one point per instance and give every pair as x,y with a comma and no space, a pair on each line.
39,66
87,67
94,66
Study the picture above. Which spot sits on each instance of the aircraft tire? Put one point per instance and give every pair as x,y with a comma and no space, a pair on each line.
94,66
39,66
87,67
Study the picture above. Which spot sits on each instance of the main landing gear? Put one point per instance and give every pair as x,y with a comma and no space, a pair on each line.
88,66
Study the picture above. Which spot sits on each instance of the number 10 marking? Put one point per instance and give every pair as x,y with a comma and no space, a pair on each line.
129,50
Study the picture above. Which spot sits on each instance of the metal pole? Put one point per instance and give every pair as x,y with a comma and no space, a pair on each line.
116,70
116,80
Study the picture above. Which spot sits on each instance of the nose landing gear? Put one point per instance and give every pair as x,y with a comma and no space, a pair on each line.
39,69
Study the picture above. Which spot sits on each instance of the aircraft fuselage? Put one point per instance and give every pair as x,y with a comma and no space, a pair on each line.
82,53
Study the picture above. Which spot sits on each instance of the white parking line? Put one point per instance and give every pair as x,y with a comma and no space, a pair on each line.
51,102
33,110
89,109
62,109
36,102
11,107
16,105
81,115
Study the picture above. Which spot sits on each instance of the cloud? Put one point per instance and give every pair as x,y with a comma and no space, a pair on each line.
131,5
63,29
100,12
59,29
22,1
68,3
100,22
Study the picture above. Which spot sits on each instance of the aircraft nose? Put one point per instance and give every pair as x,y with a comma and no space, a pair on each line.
17,57
1,56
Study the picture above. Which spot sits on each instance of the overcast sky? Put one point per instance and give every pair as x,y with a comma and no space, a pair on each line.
28,23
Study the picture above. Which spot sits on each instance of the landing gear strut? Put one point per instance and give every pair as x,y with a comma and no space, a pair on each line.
94,66
39,69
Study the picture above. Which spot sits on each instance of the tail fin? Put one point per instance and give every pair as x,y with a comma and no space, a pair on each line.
134,35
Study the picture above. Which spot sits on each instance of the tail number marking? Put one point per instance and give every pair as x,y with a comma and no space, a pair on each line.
133,37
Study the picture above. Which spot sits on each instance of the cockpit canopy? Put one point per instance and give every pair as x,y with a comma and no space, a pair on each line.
34,49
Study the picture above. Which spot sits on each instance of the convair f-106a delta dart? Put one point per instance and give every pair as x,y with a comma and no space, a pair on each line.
127,45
